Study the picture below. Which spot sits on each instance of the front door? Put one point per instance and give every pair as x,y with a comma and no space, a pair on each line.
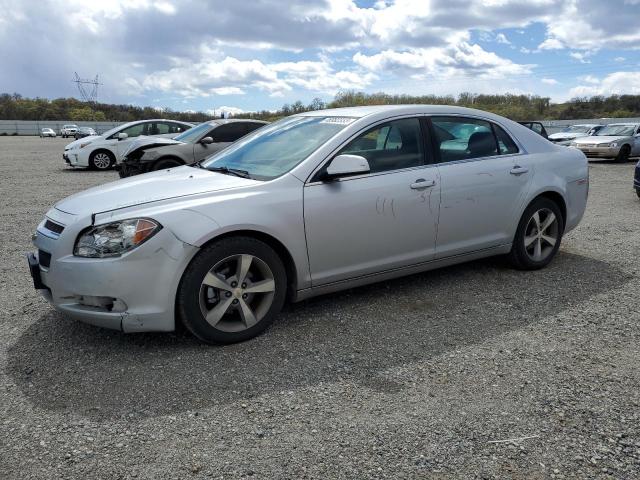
383,220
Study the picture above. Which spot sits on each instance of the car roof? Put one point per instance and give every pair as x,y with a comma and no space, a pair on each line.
360,112
158,120
627,124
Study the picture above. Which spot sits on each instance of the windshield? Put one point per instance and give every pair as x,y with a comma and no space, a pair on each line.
275,149
191,135
617,131
578,129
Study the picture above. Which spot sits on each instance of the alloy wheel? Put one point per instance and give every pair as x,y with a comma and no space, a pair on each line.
237,293
541,235
102,160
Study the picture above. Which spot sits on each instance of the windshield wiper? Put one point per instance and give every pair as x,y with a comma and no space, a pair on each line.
229,171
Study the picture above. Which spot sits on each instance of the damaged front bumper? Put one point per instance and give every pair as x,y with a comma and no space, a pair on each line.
132,293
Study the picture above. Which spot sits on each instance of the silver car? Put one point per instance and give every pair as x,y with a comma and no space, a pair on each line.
617,141
570,133
311,204
148,154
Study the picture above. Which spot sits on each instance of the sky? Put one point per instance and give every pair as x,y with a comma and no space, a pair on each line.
260,54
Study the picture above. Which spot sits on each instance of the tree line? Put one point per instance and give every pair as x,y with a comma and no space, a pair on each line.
516,107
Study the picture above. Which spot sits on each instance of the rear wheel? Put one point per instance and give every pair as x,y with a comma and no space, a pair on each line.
538,236
101,160
623,154
232,291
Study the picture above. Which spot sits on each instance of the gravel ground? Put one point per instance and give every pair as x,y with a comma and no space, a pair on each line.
424,377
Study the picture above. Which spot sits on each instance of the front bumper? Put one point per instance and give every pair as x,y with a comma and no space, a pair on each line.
132,293
76,158
599,152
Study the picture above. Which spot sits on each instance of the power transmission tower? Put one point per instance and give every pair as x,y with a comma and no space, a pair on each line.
88,90
88,94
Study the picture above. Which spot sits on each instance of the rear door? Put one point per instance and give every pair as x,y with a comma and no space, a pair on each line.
484,180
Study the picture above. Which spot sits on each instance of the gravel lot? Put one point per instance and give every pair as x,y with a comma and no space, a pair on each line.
422,377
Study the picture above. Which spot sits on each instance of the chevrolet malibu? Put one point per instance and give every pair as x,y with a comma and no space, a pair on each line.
311,204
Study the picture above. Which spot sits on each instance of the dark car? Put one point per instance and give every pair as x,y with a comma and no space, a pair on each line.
636,179
536,127
84,132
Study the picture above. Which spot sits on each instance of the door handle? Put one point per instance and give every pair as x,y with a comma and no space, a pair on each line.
518,170
422,183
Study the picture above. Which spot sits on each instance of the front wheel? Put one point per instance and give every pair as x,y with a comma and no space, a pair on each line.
538,236
101,160
623,154
232,290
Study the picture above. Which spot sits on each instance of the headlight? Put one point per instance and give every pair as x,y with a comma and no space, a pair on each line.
82,145
114,239
573,144
612,144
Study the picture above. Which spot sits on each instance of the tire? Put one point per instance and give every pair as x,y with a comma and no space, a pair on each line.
165,163
623,154
235,314
532,250
101,160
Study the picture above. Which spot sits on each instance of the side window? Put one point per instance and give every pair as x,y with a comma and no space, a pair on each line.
537,127
228,132
160,128
460,138
177,127
390,146
505,143
135,130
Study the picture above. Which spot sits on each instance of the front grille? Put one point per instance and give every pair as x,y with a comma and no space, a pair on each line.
589,145
44,258
54,227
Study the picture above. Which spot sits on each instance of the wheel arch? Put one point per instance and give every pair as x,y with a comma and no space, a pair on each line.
558,199
278,247
103,149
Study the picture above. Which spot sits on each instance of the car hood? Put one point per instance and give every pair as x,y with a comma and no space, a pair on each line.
601,139
150,142
150,187
76,143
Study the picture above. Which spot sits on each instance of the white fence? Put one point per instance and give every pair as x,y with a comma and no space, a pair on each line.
33,127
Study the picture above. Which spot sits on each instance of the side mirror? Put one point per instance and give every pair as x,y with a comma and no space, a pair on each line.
346,165
122,136
206,141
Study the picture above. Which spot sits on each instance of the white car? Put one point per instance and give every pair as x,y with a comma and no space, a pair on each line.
617,141
47,132
68,130
101,152
313,203
570,133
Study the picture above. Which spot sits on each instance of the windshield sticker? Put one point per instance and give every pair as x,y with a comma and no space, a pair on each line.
338,120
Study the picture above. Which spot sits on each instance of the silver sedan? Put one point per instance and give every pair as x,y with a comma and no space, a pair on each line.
311,204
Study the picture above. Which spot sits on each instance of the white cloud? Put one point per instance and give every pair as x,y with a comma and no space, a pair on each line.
501,38
582,57
614,83
550,81
551,44
229,110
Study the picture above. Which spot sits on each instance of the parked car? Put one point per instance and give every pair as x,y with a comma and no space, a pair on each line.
148,154
47,132
618,141
636,179
313,203
570,133
536,127
101,152
84,132
68,130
